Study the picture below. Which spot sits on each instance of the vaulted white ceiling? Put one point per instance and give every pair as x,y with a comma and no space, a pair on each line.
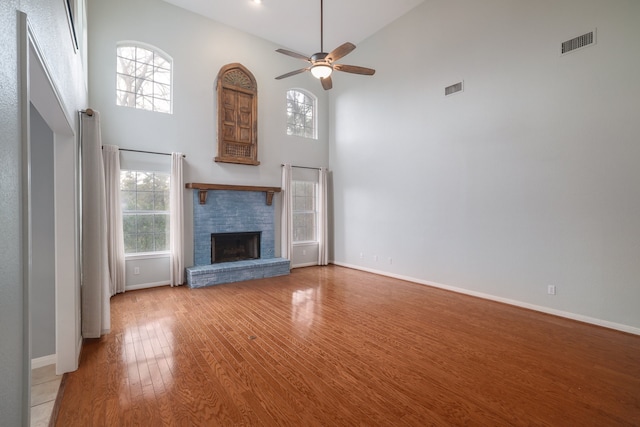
295,24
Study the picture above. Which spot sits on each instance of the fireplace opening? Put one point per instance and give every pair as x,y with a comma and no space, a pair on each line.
228,247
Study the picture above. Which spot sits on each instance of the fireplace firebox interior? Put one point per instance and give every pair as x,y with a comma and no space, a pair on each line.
229,247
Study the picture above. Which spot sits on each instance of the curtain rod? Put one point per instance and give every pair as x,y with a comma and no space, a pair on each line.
147,152
303,167
89,112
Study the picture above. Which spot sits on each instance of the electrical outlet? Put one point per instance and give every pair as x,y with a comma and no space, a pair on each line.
375,257
551,289
136,270
390,260
361,255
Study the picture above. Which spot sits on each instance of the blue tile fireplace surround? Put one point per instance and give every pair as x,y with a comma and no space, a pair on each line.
230,211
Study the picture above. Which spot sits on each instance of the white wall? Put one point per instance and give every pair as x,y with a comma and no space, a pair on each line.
526,179
199,47
48,20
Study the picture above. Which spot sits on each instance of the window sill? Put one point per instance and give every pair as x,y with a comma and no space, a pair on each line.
308,243
304,138
147,255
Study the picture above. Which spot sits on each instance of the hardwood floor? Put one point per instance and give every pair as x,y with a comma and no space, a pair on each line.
337,347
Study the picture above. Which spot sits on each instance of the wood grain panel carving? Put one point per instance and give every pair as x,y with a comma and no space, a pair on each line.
237,115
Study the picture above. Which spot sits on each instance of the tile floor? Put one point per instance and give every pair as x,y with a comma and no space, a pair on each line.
44,390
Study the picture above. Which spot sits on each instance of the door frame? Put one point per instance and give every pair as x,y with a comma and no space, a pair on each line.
38,88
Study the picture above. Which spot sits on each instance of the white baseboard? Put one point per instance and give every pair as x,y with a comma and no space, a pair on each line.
307,264
542,309
39,362
145,286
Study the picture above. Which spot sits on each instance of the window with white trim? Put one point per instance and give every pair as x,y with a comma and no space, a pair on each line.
143,78
145,211
304,211
301,114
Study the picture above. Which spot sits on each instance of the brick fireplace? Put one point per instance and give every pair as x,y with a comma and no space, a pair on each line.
222,212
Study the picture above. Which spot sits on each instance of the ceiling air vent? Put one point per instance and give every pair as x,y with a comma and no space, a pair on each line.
450,90
578,42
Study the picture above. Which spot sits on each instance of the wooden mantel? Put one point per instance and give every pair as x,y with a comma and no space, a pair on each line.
203,188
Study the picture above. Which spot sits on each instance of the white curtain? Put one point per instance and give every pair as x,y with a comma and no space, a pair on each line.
323,241
286,224
115,239
176,222
96,319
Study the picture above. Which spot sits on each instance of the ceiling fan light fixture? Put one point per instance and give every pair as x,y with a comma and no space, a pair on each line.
321,71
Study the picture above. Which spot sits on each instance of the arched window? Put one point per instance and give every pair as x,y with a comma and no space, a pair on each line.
143,77
301,114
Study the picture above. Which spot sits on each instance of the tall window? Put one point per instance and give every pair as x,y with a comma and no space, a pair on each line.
145,211
143,78
304,211
301,114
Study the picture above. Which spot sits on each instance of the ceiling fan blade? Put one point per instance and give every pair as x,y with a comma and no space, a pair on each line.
293,73
293,54
326,83
354,69
341,51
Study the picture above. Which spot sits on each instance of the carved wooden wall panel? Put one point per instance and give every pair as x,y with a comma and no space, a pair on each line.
237,116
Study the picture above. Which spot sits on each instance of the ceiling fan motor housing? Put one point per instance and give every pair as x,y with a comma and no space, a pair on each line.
319,57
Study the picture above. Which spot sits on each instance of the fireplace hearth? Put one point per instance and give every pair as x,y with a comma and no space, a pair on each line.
230,247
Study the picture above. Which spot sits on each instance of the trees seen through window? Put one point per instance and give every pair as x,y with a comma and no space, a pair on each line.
143,78
304,211
145,211
301,114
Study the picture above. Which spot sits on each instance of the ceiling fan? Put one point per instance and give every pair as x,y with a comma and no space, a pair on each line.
322,63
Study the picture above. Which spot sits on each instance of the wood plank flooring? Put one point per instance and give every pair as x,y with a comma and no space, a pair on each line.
330,346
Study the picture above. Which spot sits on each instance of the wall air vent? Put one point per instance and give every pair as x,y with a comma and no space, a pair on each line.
578,42
450,90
